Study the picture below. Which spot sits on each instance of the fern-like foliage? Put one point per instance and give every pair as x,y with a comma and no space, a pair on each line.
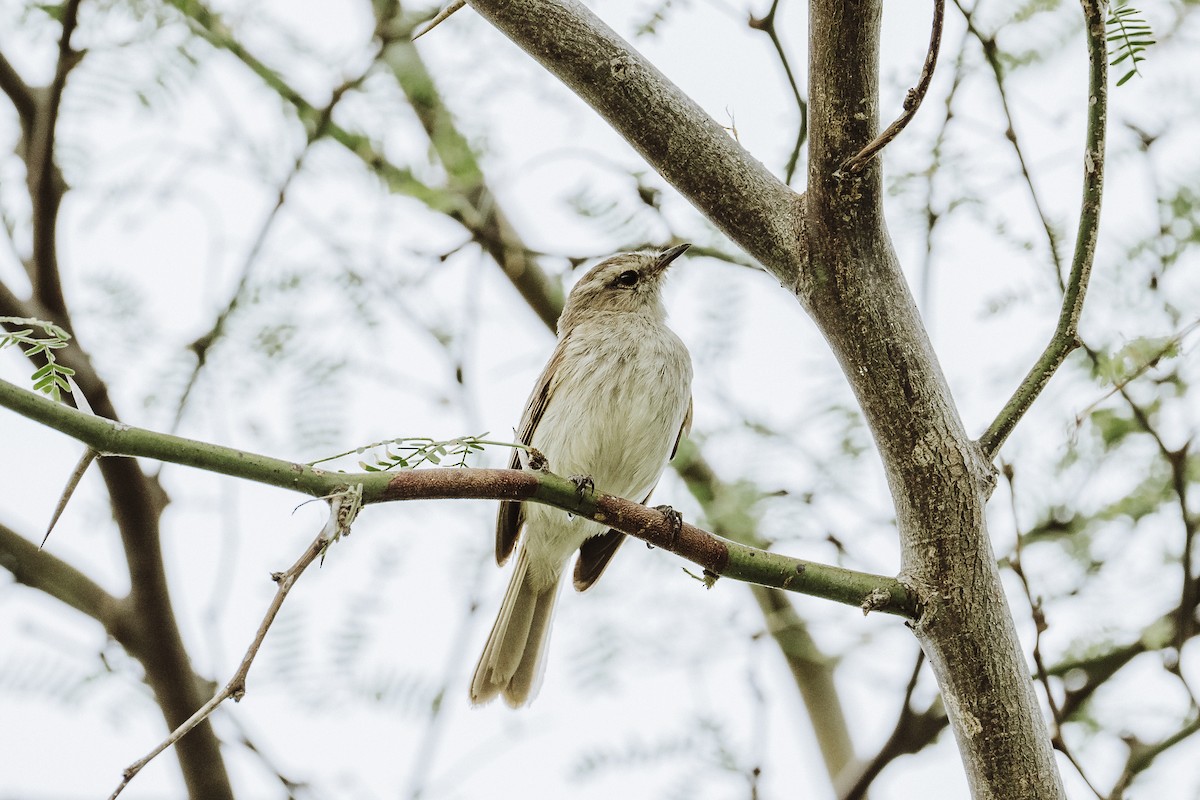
410,452
51,377
1128,37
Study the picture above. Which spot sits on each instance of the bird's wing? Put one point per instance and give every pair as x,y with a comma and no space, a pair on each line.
596,552
684,430
510,518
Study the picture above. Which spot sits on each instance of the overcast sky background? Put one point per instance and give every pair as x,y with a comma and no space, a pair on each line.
153,240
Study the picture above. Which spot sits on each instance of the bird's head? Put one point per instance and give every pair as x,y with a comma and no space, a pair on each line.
627,283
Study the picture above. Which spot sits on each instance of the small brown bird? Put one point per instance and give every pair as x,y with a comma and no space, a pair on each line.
610,406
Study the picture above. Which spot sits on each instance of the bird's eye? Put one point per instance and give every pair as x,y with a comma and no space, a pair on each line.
627,279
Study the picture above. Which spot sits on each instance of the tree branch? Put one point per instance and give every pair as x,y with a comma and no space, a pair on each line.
46,186
45,572
489,224
343,509
720,557
766,24
857,294
19,92
1065,338
686,146
912,100
152,634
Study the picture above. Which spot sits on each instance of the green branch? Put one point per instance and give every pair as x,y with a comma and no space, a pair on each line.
719,557
1065,338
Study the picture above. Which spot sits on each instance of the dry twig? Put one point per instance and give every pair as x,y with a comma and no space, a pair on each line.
343,508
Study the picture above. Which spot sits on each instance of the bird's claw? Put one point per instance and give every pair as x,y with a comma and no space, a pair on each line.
583,485
674,522
536,460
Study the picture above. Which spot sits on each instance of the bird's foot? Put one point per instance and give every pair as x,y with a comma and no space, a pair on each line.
583,485
674,522
536,460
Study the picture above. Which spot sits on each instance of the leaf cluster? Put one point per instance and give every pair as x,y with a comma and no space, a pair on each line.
410,452
1128,35
51,378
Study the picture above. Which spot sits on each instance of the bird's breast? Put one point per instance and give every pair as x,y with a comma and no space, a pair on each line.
616,406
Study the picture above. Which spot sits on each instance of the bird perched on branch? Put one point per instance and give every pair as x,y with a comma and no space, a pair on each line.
609,410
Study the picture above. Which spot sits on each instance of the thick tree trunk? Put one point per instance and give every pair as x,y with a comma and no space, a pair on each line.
854,289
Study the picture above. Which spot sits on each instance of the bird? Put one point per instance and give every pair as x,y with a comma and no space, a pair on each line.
609,410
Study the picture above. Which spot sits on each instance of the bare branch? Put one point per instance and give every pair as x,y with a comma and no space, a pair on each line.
1065,335
46,185
343,508
912,100
719,557
912,732
50,574
766,24
686,146
19,92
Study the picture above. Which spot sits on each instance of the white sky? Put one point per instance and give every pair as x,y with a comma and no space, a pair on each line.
166,206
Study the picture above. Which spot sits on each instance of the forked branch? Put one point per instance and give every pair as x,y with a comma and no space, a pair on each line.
343,508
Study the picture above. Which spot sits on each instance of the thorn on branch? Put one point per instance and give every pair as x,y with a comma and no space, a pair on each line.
73,480
439,18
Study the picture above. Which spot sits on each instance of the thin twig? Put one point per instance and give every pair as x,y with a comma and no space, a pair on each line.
1039,627
1141,756
912,732
766,24
912,100
1065,335
991,52
343,507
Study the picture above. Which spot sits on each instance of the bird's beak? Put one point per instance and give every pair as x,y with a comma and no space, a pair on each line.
664,260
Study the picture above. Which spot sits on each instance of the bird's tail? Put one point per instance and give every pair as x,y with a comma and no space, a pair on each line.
511,663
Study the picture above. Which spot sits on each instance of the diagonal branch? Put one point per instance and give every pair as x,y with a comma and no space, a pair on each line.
343,507
675,136
19,92
46,186
1065,337
912,100
488,223
719,557
48,573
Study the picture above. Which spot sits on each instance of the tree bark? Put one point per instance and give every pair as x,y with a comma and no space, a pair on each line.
939,480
